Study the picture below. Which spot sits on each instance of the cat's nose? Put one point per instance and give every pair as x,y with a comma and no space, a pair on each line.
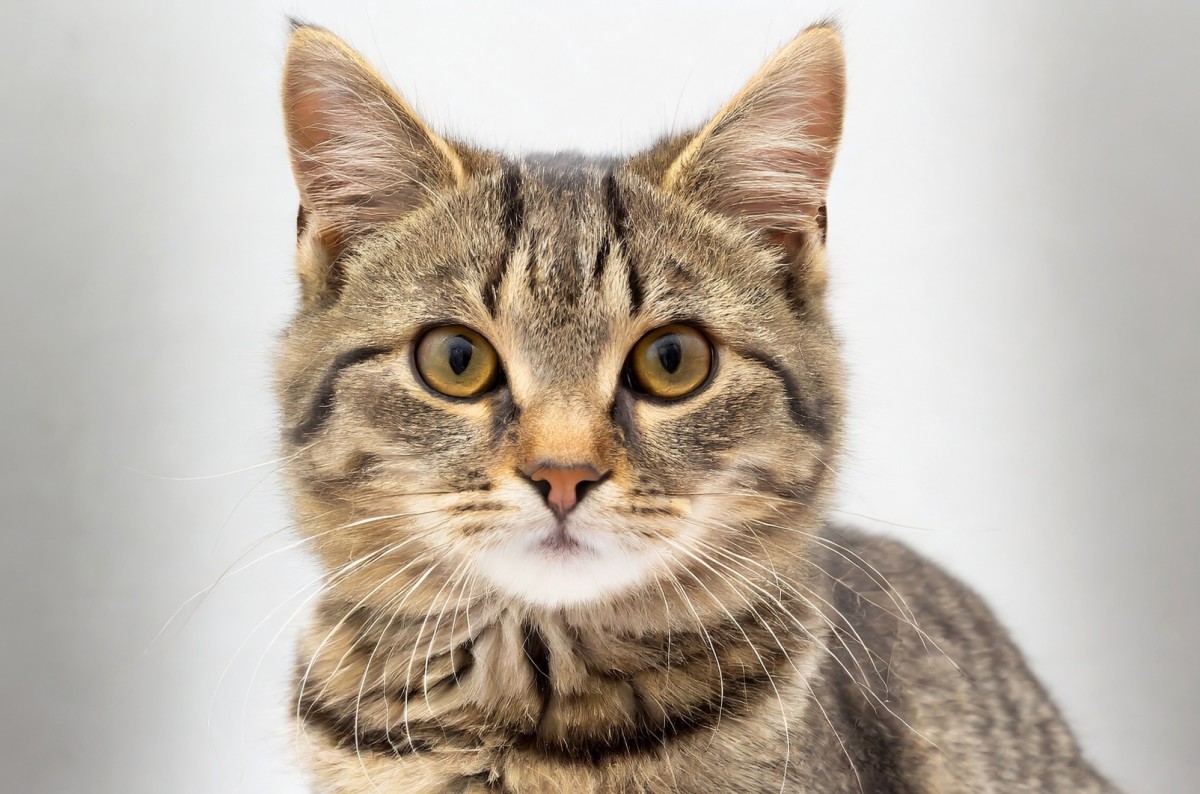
563,487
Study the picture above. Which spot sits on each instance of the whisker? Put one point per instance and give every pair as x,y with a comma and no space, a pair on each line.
782,581
342,621
866,690
770,679
230,473
858,561
328,577
459,584
808,632
362,681
704,633
231,570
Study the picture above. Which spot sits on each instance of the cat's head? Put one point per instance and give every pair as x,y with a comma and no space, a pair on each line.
565,381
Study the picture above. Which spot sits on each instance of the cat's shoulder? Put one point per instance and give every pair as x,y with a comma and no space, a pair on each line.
876,579
855,556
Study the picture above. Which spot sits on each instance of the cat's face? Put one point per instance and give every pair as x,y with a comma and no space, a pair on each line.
559,380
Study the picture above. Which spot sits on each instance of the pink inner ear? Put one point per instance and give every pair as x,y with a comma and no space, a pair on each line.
792,241
309,122
360,155
767,157
778,154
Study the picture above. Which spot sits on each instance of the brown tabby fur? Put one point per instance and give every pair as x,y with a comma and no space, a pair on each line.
763,651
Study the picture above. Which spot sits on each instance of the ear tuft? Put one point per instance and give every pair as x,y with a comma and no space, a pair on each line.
766,158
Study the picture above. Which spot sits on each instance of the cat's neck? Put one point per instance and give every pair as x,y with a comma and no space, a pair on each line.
549,679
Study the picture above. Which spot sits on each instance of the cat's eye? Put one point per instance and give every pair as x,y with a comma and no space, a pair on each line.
670,362
457,361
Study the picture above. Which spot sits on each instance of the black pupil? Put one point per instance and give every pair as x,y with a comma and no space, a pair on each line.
459,349
670,352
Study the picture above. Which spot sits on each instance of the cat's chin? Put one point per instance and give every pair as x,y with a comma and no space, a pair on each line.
557,570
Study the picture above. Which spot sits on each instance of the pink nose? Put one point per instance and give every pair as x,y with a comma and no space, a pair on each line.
563,486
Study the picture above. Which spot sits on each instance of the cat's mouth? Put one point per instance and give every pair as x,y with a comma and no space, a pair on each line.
555,564
562,542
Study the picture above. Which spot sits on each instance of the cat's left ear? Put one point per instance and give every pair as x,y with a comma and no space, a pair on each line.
766,158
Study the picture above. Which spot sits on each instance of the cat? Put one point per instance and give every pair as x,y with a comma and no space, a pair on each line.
562,432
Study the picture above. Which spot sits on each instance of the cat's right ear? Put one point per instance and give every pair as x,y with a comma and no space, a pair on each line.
361,156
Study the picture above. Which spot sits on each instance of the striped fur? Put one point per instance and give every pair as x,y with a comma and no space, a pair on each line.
707,631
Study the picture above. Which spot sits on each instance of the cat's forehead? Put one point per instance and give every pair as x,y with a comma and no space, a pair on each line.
556,245
557,215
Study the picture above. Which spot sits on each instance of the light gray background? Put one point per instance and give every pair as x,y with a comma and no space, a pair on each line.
1014,221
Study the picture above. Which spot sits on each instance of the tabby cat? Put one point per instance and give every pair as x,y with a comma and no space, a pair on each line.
562,432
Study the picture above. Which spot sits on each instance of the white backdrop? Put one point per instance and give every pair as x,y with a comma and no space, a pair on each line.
1013,232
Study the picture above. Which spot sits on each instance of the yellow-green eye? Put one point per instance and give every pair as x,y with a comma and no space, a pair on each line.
671,361
456,361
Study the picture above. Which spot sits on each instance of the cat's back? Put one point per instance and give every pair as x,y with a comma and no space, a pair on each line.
923,684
